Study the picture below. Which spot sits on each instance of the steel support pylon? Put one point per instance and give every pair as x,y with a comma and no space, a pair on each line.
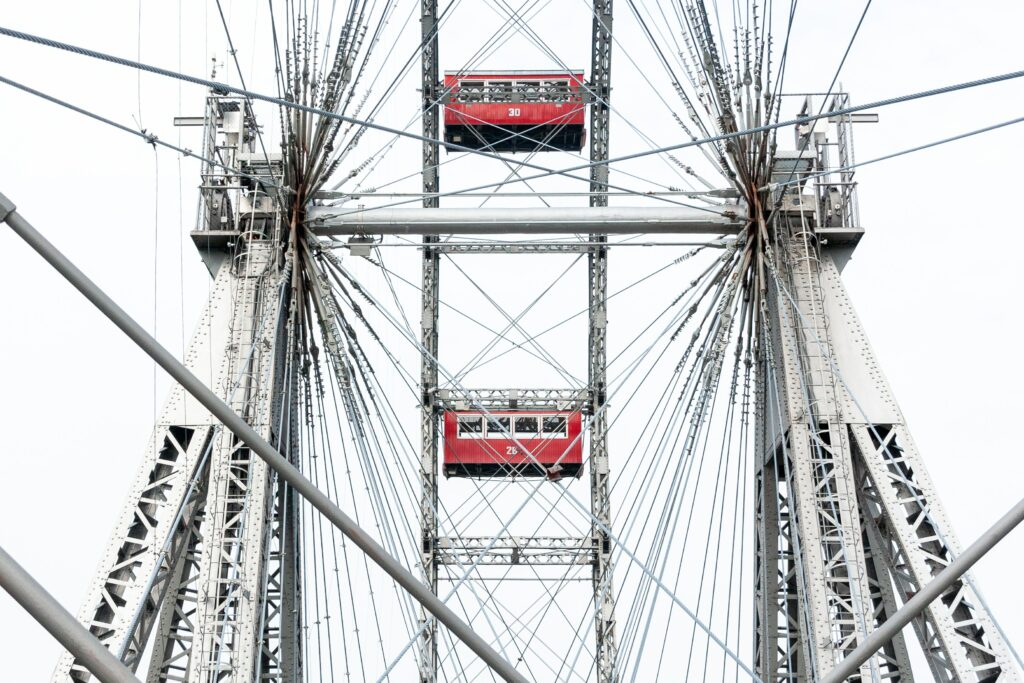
160,575
600,504
848,522
431,113
204,560
232,585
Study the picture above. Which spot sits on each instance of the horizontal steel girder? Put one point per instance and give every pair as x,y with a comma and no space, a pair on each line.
513,399
513,550
596,220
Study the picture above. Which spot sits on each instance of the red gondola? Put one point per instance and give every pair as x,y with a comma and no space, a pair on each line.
515,111
475,446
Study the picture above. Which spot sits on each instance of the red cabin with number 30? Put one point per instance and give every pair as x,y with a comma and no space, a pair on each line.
515,111
475,446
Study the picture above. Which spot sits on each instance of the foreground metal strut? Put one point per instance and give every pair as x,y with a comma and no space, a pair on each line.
45,609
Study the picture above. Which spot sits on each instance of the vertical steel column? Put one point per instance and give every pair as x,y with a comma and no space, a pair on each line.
604,597
228,638
768,574
428,334
280,656
600,108
172,648
834,591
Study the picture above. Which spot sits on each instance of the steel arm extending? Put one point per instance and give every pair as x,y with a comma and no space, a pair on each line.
593,220
52,616
917,604
260,446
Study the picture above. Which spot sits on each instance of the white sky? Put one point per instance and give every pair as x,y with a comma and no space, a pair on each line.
935,280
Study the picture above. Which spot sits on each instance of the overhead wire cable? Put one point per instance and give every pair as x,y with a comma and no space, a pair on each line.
775,88
488,589
723,459
453,309
591,92
637,501
497,186
519,345
249,108
673,79
653,463
750,131
700,409
515,171
612,537
894,155
483,604
680,366
353,425
149,138
380,504
344,546
835,77
529,623
402,72
214,85
513,323
565,171
695,442
302,107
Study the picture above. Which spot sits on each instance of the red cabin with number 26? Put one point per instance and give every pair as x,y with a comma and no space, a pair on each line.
515,111
476,446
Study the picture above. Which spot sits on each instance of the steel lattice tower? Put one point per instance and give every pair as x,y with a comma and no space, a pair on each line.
847,517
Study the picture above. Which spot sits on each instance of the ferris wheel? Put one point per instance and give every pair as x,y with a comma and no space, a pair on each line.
480,392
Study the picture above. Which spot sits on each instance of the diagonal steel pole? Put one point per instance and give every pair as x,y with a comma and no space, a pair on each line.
52,616
254,441
928,594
